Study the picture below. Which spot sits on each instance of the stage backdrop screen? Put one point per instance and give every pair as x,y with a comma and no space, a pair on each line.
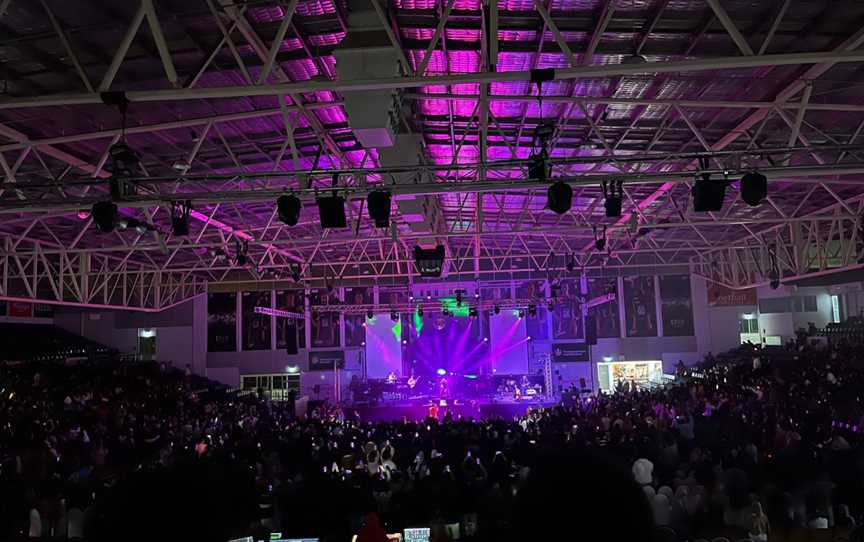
509,351
450,343
383,346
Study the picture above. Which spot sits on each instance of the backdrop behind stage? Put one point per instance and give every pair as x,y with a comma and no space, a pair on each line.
452,343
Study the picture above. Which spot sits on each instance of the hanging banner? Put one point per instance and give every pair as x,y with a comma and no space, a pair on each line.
640,308
567,311
324,315
255,326
533,293
222,322
676,305
606,316
290,301
721,296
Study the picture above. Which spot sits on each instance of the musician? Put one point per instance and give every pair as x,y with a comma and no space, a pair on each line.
433,411
443,389
391,378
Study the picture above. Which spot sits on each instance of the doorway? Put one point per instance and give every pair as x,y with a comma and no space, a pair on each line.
146,344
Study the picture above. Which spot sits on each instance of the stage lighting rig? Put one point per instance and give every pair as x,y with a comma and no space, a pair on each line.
420,312
497,309
379,208
559,197
600,240
370,315
754,188
394,316
430,262
241,253
472,312
521,313
288,207
532,310
571,263
613,192
180,212
459,298
104,215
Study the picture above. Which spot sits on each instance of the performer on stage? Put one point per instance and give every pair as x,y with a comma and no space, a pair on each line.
443,389
391,378
433,411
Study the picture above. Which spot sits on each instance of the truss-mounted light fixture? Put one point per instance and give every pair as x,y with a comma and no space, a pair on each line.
104,215
754,188
180,212
613,192
600,239
378,202
288,207
241,253
430,262
559,197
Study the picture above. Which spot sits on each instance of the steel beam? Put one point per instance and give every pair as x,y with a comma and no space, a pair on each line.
823,60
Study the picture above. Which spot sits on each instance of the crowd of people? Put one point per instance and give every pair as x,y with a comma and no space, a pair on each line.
747,445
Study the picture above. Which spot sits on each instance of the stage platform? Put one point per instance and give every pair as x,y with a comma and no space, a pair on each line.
414,410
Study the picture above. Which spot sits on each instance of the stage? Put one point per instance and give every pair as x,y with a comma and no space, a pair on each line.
418,410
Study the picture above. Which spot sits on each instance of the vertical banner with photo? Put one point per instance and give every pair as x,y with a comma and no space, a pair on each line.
676,305
567,311
533,293
604,291
324,308
355,331
222,322
640,310
255,326
291,301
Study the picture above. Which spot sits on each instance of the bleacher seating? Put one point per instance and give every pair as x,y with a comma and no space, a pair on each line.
23,342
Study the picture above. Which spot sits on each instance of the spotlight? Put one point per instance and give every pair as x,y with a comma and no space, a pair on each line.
476,295
369,315
180,218
445,312
420,312
528,337
497,309
379,208
754,188
394,316
613,192
472,312
104,214
241,251
441,372
331,211
775,283
123,159
485,339
288,208
458,298
295,274
521,313
532,310
141,228
600,240
430,262
559,197
404,341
